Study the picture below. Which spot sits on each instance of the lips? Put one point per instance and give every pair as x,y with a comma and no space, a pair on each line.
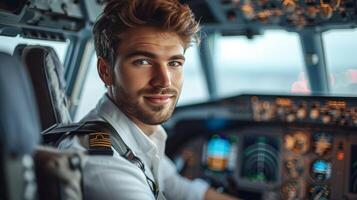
159,99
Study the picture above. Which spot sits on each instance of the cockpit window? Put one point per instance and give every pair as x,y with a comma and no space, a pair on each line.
194,86
8,44
340,52
93,90
272,62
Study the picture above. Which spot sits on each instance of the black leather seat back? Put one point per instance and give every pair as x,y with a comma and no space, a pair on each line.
19,130
47,75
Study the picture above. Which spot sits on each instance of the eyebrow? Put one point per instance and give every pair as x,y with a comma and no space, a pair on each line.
151,55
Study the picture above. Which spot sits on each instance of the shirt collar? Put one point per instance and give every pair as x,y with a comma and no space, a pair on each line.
132,135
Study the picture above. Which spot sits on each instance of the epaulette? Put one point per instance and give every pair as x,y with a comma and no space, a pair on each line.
98,132
99,144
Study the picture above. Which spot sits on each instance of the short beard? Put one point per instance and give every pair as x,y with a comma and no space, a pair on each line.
132,108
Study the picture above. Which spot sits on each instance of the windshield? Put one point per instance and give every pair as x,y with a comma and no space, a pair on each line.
340,52
271,62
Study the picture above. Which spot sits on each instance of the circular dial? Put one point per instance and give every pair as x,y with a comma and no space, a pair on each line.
321,170
294,166
319,192
315,112
322,143
301,112
290,190
297,142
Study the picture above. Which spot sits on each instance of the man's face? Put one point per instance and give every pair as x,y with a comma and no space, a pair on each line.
148,74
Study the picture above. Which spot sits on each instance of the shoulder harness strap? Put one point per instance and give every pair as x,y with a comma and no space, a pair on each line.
99,134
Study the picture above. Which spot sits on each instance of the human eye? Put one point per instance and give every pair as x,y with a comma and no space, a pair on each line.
175,63
140,62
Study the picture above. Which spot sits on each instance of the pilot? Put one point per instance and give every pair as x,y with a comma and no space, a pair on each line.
140,46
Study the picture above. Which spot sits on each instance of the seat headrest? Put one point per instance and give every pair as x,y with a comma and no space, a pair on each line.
47,76
19,125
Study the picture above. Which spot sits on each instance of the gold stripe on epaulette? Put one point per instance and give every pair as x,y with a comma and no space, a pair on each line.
99,140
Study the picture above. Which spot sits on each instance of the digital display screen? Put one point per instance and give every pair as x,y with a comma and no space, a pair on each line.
260,159
221,153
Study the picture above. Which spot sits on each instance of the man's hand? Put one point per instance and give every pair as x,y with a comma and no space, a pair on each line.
212,194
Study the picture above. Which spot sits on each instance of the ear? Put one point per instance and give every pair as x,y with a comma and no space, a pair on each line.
105,71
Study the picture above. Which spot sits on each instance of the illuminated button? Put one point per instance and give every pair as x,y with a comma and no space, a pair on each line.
340,155
326,119
289,5
314,114
291,117
301,113
248,11
326,11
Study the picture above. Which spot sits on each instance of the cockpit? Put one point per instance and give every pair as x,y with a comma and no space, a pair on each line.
268,108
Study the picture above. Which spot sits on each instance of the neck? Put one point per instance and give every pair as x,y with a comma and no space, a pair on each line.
146,128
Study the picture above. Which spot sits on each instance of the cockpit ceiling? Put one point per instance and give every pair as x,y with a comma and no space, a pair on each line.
70,16
293,15
231,17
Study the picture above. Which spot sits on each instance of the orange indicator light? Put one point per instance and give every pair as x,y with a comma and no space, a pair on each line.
340,155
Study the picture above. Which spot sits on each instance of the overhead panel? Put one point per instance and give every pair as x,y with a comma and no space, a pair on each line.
50,16
289,14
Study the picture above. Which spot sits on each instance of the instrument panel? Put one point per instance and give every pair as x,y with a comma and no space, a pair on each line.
271,147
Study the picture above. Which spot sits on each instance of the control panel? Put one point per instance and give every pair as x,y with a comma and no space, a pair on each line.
284,109
272,147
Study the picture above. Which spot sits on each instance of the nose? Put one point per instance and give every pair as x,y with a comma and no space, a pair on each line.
161,76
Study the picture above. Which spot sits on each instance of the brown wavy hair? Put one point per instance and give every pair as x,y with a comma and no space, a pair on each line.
120,15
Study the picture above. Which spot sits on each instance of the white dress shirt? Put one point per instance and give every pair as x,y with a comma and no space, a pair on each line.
114,177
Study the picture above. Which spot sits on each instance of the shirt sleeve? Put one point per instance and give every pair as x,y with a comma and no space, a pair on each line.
176,187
